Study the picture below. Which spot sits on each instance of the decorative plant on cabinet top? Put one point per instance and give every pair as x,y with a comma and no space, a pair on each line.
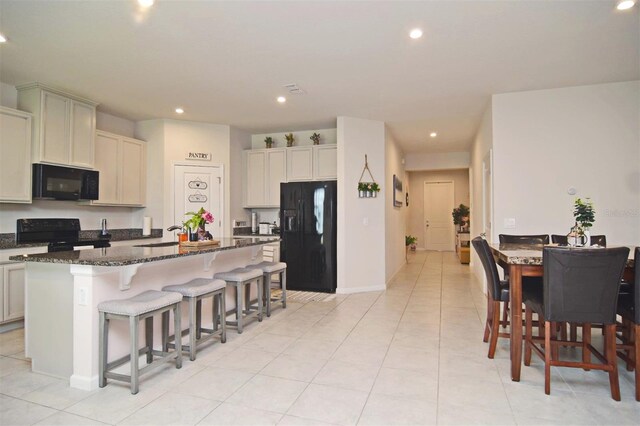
290,139
315,138
268,141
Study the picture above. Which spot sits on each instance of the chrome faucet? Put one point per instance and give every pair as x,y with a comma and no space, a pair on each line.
174,227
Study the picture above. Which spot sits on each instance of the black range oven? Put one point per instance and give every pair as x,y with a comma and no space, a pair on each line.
60,234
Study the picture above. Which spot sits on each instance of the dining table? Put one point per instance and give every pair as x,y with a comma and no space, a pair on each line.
525,260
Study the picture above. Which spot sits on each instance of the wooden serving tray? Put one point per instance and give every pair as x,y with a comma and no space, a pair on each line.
200,243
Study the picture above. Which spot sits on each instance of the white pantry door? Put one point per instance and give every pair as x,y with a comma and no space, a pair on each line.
438,222
195,187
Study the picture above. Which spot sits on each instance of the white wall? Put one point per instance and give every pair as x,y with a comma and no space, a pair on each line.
416,180
239,141
360,246
175,139
113,124
482,143
327,137
437,161
8,96
584,137
395,217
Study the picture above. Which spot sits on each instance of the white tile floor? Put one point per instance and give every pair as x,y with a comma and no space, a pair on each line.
410,355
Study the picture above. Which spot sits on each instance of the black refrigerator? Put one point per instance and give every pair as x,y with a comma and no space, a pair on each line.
308,219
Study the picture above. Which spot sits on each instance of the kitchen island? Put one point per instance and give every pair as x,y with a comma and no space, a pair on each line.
63,291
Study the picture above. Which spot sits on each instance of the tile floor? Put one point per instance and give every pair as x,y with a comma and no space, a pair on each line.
410,355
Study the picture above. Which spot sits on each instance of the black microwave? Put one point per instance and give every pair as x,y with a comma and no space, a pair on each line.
64,183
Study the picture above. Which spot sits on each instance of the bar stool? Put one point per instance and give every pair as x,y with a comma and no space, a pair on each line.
193,292
268,269
141,307
239,278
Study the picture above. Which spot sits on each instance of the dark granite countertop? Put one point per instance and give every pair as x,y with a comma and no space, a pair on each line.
8,240
130,255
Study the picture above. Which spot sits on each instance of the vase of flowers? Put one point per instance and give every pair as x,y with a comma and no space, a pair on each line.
196,224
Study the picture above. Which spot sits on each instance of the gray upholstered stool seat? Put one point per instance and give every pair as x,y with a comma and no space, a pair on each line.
268,269
239,278
193,292
140,307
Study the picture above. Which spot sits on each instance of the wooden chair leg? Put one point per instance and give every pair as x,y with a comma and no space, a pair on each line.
636,357
627,338
487,325
563,330
573,332
495,324
586,341
540,326
547,357
528,334
612,361
505,315
553,348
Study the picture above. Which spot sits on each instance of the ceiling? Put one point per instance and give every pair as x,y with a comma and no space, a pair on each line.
226,62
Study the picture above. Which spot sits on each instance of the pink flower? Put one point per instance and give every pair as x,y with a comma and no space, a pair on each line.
208,217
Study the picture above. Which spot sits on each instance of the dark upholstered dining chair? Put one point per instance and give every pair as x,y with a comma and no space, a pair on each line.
523,239
497,291
600,240
579,286
629,310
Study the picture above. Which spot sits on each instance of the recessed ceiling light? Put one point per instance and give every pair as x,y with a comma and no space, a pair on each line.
3,39
415,33
433,134
179,110
146,3
282,99
625,4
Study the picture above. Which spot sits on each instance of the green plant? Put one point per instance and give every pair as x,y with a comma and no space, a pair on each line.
268,141
584,213
289,138
315,138
374,187
459,213
198,219
364,186
409,239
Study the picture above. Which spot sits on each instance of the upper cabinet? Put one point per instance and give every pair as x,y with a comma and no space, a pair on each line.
265,169
325,162
63,125
15,156
300,163
121,162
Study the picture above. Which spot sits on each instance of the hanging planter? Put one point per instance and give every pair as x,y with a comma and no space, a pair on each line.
367,189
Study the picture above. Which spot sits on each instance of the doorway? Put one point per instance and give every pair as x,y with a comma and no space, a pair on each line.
196,187
438,224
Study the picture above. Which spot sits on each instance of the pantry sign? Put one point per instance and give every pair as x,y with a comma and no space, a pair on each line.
202,156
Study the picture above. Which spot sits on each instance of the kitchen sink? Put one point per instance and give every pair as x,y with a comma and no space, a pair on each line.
167,244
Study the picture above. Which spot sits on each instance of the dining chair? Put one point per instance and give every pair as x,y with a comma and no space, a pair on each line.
579,286
559,239
497,291
600,240
518,239
629,310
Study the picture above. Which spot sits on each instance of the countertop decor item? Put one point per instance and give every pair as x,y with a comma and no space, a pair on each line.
585,216
290,139
197,223
367,189
268,141
315,138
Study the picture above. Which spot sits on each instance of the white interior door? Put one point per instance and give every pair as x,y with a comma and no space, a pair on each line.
195,187
438,223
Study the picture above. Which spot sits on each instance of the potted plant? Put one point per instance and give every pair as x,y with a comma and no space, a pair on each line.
410,241
585,216
374,188
290,139
197,222
363,189
315,138
460,216
268,141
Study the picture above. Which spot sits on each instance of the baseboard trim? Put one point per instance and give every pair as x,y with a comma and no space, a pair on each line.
361,289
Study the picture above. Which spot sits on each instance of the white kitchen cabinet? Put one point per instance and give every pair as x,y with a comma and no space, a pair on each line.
63,127
265,169
325,162
12,306
300,163
121,162
15,156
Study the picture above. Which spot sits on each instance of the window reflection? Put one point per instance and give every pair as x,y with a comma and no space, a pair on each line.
318,209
